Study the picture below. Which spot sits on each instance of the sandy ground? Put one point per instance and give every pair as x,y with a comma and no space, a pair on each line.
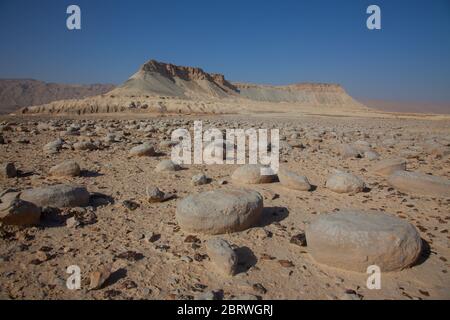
171,267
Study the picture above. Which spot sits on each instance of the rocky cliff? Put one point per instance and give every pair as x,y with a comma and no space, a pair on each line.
158,78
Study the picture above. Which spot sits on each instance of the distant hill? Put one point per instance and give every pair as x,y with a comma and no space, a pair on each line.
405,106
308,94
18,93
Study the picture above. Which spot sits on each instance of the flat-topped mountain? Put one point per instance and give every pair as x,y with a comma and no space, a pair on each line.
312,94
159,78
18,93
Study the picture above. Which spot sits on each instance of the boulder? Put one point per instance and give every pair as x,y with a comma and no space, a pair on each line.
53,146
67,168
57,196
84,145
420,183
167,165
219,211
388,166
14,211
145,149
222,256
155,195
293,181
371,155
362,146
354,240
343,182
347,151
199,179
251,174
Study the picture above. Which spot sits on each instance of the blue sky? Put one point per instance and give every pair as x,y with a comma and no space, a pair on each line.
260,41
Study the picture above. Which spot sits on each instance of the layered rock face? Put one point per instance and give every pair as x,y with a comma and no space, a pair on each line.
312,94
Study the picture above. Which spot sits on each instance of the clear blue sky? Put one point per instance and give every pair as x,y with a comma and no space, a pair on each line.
260,41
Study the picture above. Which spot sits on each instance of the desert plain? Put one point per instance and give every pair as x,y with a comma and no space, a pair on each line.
125,235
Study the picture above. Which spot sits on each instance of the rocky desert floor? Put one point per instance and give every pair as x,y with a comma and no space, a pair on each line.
151,257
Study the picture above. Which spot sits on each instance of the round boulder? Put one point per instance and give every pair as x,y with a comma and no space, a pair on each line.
142,150
219,211
354,240
294,181
167,165
252,174
57,196
67,168
343,182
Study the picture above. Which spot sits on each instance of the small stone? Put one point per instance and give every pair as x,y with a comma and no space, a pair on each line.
8,170
130,205
99,277
350,295
222,256
155,195
73,222
152,237
299,239
186,259
286,263
208,295
259,288
42,256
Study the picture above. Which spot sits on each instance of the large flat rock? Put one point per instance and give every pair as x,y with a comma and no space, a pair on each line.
57,196
389,166
420,183
354,240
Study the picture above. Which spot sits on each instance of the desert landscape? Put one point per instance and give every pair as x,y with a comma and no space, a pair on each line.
89,181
